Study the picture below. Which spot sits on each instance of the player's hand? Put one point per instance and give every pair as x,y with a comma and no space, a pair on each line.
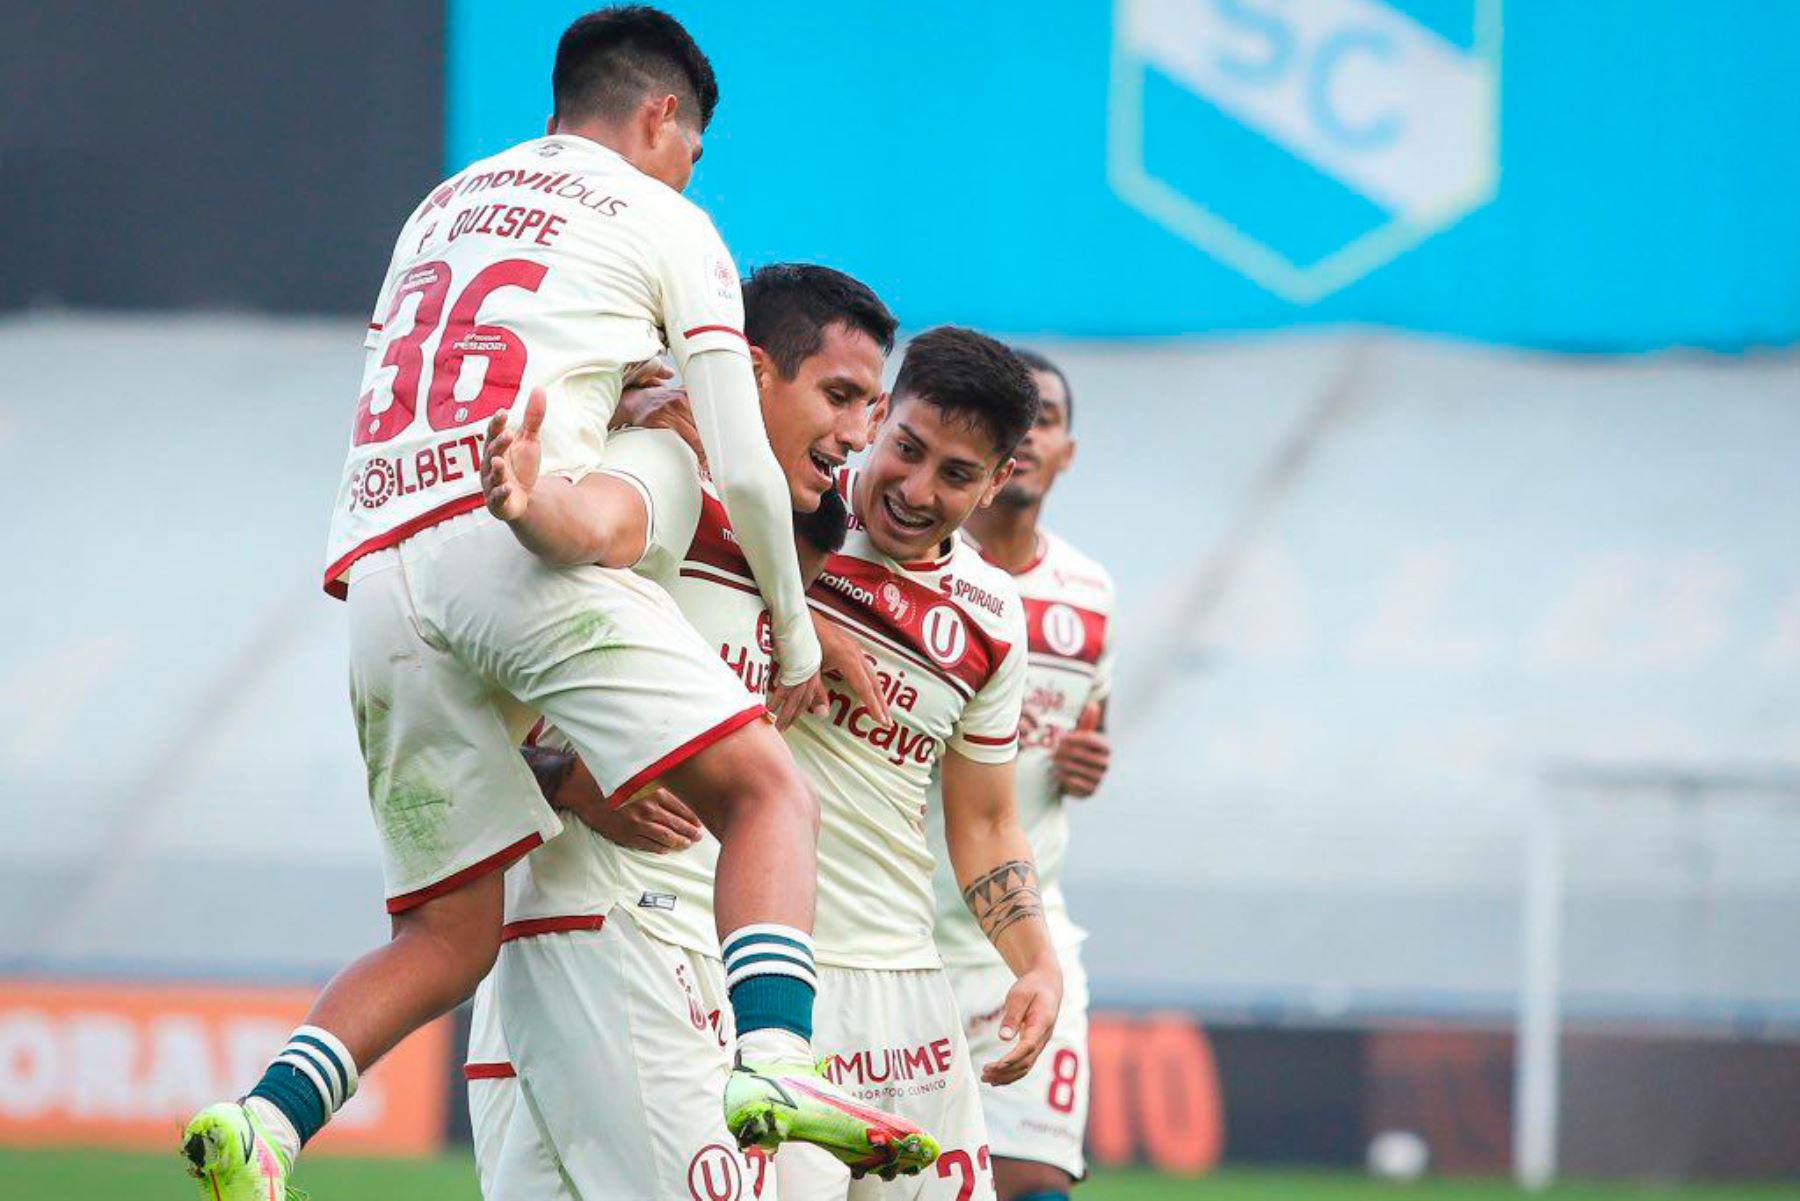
657,821
844,659
668,409
1027,1022
1082,756
647,374
642,392
788,702
510,460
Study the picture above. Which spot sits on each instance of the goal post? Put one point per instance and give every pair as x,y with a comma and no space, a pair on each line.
1537,1067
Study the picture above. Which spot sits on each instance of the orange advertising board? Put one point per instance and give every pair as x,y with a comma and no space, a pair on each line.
125,1065
1156,1096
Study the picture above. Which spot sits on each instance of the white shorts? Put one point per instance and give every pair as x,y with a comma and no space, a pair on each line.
621,1045
459,637
893,1040
493,1092
1043,1117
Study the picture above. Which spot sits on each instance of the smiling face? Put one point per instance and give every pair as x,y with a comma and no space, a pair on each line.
1047,448
822,414
927,472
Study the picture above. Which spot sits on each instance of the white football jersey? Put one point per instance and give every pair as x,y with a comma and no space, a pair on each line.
1068,601
694,555
948,641
556,265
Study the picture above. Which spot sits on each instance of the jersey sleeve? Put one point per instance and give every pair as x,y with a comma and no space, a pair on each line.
988,731
667,475
703,306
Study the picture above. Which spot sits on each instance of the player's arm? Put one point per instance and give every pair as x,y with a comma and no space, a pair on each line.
656,821
994,868
1083,755
722,393
599,519
703,317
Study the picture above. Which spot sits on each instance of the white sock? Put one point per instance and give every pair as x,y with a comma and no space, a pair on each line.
773,1045
281,1132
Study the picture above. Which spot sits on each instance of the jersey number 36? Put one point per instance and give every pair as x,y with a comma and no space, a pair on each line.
501,347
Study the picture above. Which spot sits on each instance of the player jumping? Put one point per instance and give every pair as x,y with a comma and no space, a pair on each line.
1035,1128
550,268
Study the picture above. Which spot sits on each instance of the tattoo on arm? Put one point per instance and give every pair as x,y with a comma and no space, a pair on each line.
1004,896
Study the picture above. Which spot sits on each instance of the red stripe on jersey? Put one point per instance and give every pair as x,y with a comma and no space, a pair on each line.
713,329
642,778
984,740
697,573
532,927
714,544
1065,631
926,623
488,1071
499,861
455,508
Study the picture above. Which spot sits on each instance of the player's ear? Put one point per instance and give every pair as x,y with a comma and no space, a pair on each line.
879,412
761,366
662,118
998,481
550,125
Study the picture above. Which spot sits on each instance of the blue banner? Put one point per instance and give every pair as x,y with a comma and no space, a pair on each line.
1588,177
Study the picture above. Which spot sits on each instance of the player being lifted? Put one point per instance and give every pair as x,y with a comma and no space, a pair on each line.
548,269
608,999
1035,1128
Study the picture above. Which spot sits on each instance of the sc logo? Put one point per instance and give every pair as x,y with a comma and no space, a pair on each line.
1399,120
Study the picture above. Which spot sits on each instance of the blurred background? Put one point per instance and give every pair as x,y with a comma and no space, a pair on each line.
1437,408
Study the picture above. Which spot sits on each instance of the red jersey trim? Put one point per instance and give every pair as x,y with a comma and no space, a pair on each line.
638,780
499,861
488,1071
335,585
532,927
985,740
697,573
713,543
714,329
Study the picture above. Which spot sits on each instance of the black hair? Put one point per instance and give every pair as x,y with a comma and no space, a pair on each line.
610,60
787,307
827,526
970,376
1038,362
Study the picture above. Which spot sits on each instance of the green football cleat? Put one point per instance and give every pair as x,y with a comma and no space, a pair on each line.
794,1103
230,1153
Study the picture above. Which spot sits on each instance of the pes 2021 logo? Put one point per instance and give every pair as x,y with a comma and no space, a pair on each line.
1305,143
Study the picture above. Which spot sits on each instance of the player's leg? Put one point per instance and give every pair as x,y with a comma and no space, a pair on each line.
891,1047
488,1079
620,1048
1035,1125
453,805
